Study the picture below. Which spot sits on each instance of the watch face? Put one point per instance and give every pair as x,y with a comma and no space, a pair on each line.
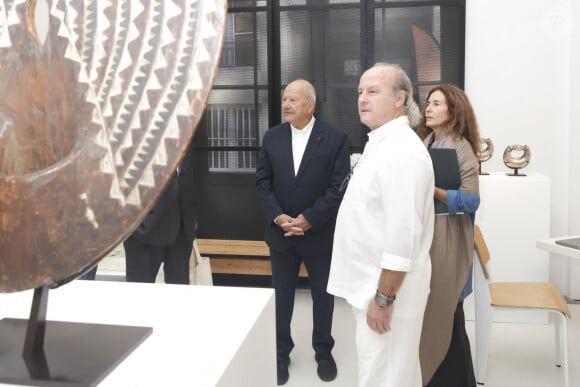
381,300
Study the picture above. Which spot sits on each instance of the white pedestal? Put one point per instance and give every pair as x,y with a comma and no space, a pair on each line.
202,336
514,213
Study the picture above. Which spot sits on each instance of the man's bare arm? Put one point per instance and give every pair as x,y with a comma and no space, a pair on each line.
379,319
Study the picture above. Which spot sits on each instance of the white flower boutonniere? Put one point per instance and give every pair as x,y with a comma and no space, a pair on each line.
354,159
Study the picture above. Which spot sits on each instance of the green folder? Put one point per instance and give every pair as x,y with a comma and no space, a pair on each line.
446,169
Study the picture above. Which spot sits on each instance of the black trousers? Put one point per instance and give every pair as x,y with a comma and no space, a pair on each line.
285,268
142,261
456,370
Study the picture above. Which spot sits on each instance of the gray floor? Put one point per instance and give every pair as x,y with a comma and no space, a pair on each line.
521,355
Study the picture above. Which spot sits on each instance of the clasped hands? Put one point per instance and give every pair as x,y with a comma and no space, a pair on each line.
293,226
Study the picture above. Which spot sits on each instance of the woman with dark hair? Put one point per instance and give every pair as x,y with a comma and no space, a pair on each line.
449,122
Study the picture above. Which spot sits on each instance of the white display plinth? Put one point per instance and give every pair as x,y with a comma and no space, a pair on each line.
202,336
514,213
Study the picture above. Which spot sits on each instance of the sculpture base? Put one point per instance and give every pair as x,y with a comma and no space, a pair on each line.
516,173
480,171
75,354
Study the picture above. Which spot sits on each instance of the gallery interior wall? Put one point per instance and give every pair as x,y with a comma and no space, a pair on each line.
574,143
519,61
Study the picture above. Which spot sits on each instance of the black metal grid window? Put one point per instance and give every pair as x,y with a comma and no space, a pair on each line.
269,43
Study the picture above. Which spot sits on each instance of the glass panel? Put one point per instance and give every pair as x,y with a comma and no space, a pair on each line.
425,41
290,3
262,48
323,47
231,122
228,48
245,50
393,34
239,52
263,113
295,45
244,22
246,3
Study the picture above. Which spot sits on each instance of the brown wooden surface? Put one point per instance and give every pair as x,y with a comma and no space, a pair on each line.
534,295
482,250
244,256
232,247
91,129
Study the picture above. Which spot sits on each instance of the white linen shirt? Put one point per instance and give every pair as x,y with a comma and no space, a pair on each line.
299,141
386,221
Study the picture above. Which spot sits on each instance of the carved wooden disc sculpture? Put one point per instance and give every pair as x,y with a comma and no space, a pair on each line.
93,122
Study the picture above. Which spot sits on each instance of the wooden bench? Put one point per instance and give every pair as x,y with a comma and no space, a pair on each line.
239,257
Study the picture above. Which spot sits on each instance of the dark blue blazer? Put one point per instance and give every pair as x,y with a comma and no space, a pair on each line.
313,191
176,204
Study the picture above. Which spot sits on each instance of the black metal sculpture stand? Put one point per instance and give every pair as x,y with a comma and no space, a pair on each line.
33,351
516,173
57,353
480,172
34,343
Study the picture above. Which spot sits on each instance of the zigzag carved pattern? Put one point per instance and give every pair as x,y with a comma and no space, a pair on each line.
93,121
11,13
124,49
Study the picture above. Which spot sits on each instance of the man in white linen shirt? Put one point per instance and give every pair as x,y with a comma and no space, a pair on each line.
380,261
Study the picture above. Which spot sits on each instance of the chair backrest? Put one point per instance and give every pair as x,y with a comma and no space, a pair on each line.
482,250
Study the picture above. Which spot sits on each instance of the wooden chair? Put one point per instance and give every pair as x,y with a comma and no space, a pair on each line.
542,296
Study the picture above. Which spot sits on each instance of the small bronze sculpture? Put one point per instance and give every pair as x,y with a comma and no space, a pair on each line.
485,152
516,157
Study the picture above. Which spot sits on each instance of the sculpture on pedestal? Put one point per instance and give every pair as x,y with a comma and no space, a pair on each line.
94,120
485,152
516,157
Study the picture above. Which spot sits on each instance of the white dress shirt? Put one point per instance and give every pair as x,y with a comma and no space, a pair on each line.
299,141
386,221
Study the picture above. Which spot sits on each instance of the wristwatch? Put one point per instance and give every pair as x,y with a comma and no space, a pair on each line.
383,300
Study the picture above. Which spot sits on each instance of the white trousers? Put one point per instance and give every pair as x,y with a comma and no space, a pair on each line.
389,359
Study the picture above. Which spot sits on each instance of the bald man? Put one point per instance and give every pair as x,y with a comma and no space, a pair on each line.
301,167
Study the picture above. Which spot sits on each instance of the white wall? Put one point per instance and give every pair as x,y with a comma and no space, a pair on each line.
574,148
519,56
574,144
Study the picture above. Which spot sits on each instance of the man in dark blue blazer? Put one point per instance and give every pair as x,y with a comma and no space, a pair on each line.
166,234
300,170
